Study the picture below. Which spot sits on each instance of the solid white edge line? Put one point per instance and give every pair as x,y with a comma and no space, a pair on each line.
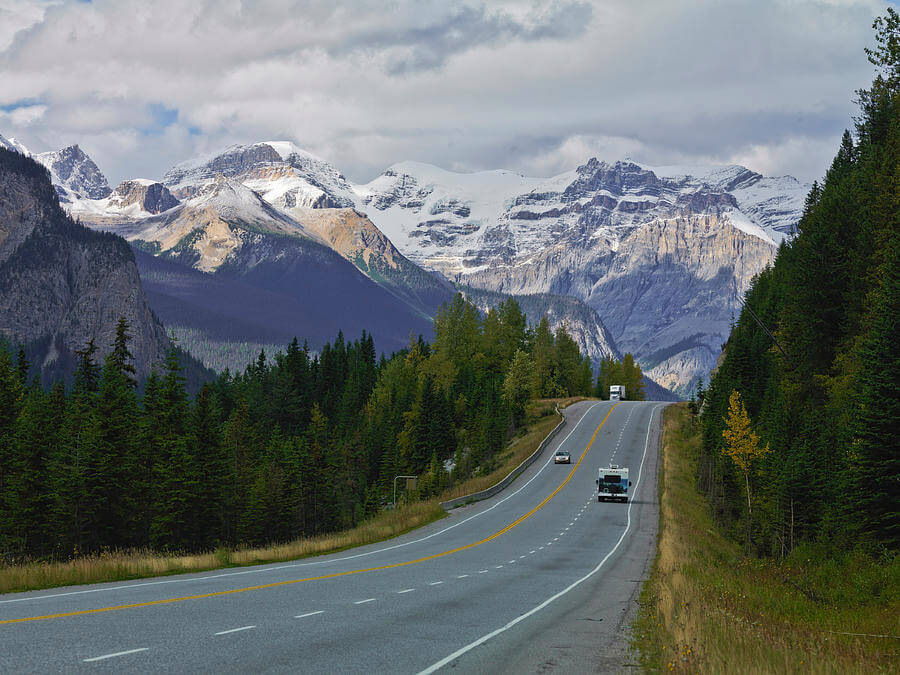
234,630
303,616
258,570
484,638
110,656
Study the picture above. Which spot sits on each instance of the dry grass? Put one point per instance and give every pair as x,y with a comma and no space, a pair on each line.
143,563
707,608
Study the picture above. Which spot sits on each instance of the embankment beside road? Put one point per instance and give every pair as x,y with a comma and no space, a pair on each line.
708,608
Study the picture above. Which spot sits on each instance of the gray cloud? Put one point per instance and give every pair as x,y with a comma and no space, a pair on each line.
464,27
530,86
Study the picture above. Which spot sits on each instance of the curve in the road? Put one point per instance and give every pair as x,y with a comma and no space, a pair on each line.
330,560
334,575
484,638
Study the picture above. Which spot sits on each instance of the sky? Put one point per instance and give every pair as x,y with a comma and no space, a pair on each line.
533,87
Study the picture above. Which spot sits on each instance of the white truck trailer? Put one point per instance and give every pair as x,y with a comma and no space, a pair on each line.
613,484
616,392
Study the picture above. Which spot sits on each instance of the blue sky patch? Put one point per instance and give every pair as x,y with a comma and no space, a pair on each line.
23,103
160,118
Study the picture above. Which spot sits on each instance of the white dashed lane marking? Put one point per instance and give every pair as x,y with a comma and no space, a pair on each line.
321,611
115,654
362,602
234,630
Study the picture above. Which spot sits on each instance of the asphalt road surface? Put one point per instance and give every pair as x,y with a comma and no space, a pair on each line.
539,578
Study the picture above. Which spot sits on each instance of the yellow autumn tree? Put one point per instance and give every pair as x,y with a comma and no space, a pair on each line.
742,445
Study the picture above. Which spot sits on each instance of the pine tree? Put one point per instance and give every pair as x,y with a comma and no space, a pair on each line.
115,452
122,359
516,385
544,360
568,360
174,464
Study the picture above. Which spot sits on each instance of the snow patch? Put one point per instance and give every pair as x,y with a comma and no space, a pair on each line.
744,224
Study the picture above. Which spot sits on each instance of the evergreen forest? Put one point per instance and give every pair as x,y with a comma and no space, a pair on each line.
807,389
298,444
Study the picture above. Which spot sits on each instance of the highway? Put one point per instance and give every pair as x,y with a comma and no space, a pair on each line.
541,577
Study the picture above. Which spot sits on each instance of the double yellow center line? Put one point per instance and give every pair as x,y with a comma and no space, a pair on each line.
334,575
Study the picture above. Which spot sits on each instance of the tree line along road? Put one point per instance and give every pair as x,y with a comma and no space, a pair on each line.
539,577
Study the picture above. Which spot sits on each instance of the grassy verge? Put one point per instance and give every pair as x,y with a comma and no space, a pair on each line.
707,608
136,564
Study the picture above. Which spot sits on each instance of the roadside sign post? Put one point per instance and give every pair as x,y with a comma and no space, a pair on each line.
410,485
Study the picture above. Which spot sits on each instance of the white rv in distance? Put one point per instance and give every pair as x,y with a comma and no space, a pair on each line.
613,484
616,392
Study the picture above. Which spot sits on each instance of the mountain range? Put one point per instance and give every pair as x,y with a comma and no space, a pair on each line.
656,259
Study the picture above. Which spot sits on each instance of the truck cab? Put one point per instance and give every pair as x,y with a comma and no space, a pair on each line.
616,392
613,484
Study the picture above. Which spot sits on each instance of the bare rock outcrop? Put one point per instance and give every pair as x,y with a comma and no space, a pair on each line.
62,284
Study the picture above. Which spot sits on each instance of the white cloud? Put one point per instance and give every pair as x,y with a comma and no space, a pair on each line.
529,86
23,117
16,15
809,157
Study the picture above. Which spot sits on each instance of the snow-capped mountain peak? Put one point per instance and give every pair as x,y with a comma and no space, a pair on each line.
284,174
76,172
14,145
287,149
73,173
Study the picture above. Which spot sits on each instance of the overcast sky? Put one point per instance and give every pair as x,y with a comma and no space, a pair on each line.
535,87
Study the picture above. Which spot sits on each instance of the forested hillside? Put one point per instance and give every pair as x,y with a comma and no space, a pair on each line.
821,392
295,445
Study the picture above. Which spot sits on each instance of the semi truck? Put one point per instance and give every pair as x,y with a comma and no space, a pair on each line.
613,484
616,392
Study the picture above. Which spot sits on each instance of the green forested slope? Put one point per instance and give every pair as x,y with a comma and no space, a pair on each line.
823,390
294,446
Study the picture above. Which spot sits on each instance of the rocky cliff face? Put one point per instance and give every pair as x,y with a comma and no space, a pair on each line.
142,196
461,223
352,235
62,284
666,290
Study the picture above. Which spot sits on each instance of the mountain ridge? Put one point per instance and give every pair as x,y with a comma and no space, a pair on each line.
502,231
